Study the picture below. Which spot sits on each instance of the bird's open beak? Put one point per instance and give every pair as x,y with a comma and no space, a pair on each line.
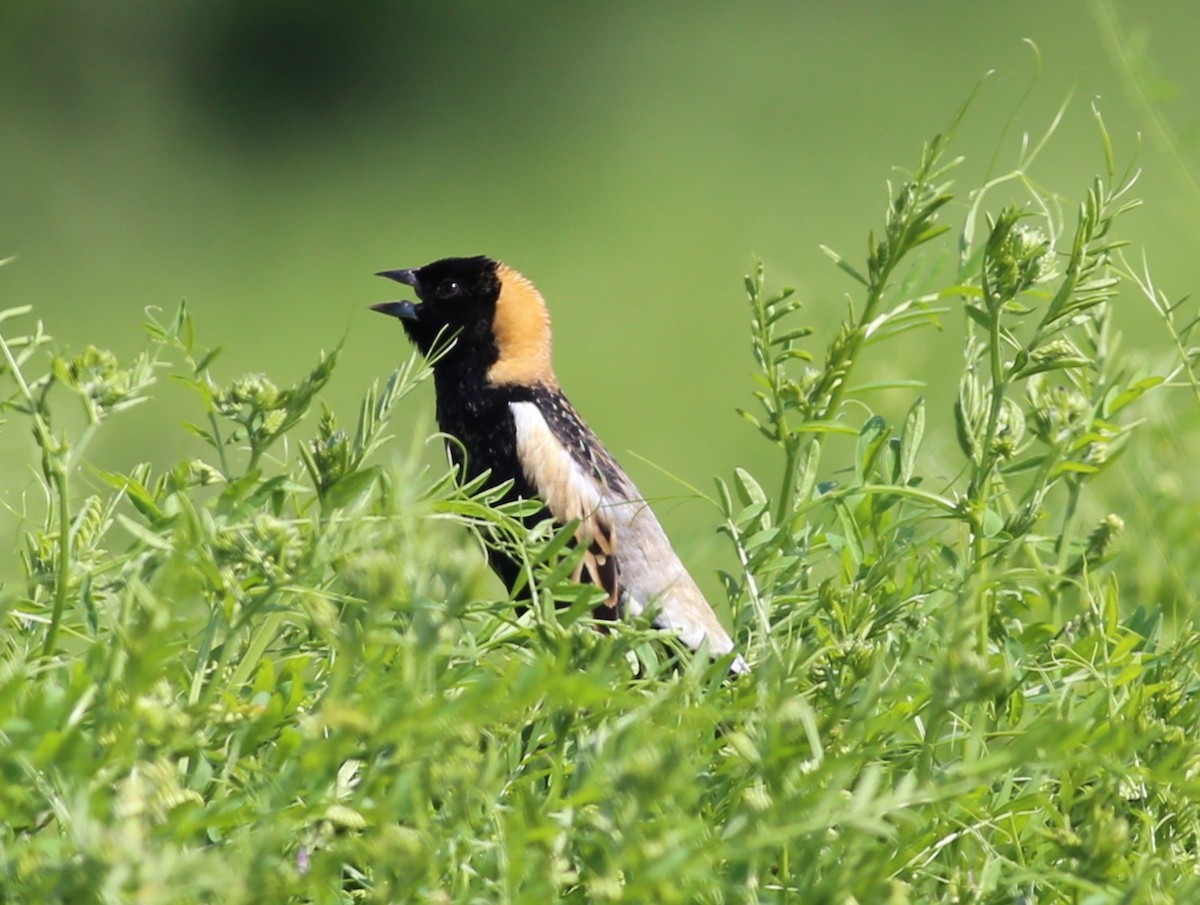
406,311
407,277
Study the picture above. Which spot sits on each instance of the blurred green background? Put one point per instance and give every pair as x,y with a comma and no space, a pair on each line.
263,160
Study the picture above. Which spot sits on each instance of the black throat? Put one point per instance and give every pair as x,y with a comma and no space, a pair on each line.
482,437
476,413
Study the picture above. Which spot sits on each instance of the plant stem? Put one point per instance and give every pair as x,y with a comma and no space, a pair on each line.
791,450
846,357
219,443
1070,524
56,472
63,578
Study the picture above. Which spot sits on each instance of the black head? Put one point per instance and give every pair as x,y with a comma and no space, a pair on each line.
496,318
458,297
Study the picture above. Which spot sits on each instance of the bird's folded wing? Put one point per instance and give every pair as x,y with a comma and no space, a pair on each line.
570,494
628,554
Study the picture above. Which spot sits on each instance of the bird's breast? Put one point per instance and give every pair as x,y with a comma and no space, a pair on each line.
484,437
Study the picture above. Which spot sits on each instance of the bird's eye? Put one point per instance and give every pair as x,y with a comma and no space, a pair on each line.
449,289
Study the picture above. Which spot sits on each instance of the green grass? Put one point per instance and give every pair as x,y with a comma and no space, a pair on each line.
278,671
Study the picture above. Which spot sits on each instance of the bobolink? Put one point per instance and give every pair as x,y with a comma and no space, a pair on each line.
497,396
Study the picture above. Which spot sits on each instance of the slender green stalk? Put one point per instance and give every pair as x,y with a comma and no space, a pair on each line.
62,584
55,470
219,443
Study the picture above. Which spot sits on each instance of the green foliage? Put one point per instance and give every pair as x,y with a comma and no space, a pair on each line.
275,671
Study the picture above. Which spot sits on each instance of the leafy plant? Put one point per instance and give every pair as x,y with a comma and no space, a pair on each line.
278,671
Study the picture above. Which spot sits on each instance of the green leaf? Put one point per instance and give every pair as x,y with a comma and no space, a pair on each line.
236,491
928,235
207,359
963,289
870,439
844,265
1070,467
792,335
1056,364
136,492
143,534
1118,399
877,386
749,490
910,439
852,535
979,315
825,427
725,497
806,469
349,490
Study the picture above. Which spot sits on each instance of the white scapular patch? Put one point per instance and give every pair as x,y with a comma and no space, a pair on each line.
649,572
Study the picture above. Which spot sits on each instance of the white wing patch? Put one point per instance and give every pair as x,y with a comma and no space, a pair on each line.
553,472
570,495
648,572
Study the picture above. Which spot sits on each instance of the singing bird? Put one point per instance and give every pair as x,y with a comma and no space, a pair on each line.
498,398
